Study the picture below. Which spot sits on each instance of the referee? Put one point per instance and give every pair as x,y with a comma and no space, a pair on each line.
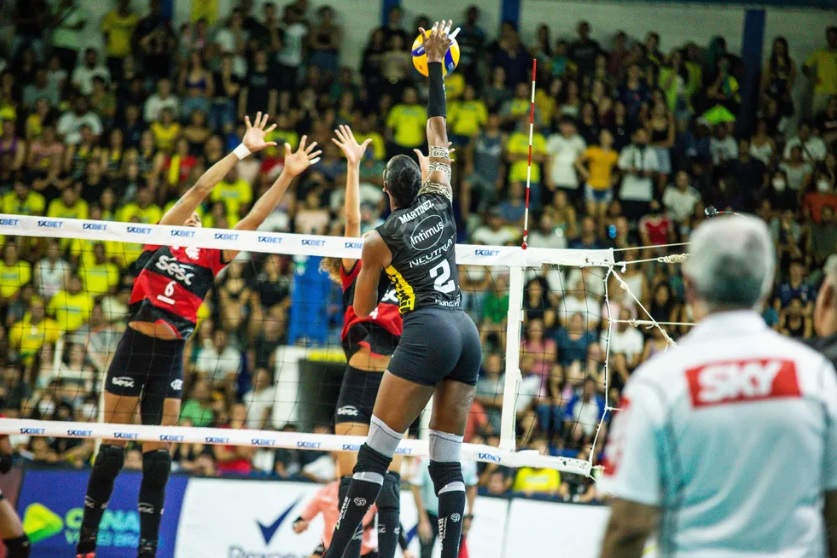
726,445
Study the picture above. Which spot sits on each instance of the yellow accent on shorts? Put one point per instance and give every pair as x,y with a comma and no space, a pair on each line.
406,296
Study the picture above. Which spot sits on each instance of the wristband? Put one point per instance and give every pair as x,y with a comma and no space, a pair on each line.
242,152
435,91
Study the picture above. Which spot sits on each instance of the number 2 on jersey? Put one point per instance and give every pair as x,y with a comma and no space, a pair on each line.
441,273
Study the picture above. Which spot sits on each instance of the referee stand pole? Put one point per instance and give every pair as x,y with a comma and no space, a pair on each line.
512,377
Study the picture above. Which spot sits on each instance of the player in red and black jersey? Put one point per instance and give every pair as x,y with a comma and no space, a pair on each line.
368,344
147,369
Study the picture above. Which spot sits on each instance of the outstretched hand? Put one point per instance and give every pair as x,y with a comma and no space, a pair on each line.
254,136
437,41
424,161
347,143
296,162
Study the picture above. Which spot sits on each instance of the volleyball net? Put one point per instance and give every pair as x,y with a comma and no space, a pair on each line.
264,367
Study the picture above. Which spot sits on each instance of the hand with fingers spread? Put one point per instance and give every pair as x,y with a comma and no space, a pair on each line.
254,136
347,143
437,41
424,161
297,161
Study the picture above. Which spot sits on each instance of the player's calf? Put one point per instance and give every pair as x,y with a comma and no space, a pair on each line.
156,466
389,510
106,468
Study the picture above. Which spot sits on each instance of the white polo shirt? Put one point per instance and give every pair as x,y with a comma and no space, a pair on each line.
733,434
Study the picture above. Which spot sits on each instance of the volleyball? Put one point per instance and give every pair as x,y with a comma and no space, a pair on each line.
420,57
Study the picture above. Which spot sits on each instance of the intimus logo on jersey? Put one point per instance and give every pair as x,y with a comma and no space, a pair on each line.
742,381
427,233
179,271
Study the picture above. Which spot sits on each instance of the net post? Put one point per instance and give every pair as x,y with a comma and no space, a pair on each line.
512,379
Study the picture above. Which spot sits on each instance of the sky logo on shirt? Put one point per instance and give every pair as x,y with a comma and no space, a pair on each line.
742,381
268,531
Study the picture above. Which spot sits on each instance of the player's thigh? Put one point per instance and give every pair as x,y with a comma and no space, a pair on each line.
119,409
346,460
451,405
400,401
10,526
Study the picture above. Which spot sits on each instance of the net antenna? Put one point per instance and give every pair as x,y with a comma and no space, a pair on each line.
525,243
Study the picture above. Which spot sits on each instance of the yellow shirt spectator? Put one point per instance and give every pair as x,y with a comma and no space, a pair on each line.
99,279
71,310
537,481
165,135
467,117
378,148
454,86
82,250
119,28
33,204
233,195
122,253
518,144
823,64
408,124
60,210
148,215
600,164
13,276
281,137
28,336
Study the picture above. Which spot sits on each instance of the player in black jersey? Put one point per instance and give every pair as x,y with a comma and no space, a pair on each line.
147,368
439,353
368,343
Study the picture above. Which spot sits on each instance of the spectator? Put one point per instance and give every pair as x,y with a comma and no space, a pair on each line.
83,75
324,41
71,306
795,320
638,163
71,123
51,273
118,27
258,401
230,458
779,76
574,339
484,172
28,336
588,239
680,199
495,232
197,408
220,363
538,481
68,21
626,340
723,146
405,124
819,67
797,170
795,288
547,235
813,147
584,412
259,89
598,175
495,309
160,100
584,50
826,123
14,274
154,41
563,149
762,145
290,57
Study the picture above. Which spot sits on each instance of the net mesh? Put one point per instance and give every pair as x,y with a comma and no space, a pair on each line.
561,330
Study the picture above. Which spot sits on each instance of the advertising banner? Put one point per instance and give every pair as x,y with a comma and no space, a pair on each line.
51,505
247,519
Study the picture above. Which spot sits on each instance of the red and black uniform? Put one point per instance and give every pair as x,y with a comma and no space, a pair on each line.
380,332
169,289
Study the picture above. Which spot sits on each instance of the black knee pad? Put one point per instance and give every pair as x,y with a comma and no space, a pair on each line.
390,496
370,461
445,472
156,466
18,547
110,459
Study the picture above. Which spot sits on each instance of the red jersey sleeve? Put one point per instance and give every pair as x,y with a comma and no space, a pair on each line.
348,277
214,260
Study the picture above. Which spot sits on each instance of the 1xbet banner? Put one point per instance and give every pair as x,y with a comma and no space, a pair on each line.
51,504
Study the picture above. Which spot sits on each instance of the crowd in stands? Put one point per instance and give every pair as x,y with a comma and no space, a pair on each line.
631,145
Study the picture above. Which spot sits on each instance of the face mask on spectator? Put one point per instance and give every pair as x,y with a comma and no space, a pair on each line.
779,184
823,186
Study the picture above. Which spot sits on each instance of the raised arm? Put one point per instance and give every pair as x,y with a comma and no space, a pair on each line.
436,44
353,151
296,162
252,142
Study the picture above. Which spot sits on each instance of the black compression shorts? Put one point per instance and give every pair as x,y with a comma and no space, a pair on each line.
438,344
357,396
149,368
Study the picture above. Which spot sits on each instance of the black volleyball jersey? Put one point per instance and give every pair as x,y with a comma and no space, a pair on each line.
171,285
422,239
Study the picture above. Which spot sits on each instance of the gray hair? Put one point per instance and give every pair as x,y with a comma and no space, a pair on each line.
731,262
